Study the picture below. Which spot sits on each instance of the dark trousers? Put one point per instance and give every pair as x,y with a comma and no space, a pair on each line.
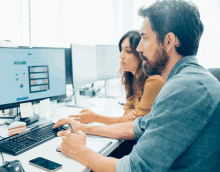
124,148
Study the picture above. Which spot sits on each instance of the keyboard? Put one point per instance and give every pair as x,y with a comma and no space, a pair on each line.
29,139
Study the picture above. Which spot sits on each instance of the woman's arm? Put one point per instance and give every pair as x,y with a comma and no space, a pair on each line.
122,131
152,88
87,116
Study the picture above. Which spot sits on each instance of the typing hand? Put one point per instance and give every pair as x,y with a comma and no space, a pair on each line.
131,114
76,126
86,116
73,144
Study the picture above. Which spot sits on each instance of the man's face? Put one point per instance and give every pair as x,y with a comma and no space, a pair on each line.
154,56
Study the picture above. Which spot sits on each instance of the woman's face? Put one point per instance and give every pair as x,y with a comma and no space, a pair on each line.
129,62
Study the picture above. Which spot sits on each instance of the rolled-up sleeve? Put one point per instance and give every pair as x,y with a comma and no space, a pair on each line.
138,127
123,164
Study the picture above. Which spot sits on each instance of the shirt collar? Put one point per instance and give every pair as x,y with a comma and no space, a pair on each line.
186,59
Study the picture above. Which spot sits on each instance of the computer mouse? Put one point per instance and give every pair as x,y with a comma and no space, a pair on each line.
12,166
62,127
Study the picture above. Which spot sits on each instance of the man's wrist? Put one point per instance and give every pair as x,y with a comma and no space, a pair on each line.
84,128
81,155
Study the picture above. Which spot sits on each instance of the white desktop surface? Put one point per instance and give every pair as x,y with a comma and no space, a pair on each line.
48,149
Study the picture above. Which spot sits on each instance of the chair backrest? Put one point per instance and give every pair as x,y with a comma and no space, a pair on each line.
215,72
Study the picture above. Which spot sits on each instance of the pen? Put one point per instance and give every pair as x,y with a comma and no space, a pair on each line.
105,147
71,128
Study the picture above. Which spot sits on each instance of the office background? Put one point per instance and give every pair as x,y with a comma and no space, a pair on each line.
59,23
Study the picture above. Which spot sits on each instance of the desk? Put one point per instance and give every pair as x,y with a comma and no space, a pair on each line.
103,106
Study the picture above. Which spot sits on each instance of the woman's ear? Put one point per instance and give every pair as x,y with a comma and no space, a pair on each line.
170,42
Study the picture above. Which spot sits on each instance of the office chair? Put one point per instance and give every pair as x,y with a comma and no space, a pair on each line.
215,72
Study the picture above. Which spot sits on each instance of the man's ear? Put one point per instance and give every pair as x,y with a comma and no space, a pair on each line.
170,42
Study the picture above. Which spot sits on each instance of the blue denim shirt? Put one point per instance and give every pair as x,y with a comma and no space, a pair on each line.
182,131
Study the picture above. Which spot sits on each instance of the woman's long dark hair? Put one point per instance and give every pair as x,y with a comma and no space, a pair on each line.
134,86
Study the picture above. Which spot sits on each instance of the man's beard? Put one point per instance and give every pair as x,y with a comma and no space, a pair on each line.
158,65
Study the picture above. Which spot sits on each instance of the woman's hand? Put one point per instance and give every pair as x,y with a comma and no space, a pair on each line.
86,116
131,114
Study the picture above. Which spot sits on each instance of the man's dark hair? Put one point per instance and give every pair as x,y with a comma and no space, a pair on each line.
179,17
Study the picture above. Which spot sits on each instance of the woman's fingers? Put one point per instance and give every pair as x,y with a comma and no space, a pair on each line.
75,116
84,110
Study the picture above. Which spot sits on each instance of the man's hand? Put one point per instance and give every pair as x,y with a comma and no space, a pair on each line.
86,116
131,114
76,126
73,144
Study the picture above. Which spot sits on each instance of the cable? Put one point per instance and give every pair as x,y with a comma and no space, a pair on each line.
2,158
2,154
2,124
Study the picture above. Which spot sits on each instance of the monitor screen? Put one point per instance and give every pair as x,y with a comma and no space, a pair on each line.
68,61
29,74
83,65
108,61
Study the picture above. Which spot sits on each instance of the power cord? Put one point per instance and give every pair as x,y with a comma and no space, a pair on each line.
2,154
3,124
2,158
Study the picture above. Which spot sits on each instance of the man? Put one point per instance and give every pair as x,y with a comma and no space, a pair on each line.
182,131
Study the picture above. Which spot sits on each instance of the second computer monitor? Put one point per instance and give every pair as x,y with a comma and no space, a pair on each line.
108,61
84,66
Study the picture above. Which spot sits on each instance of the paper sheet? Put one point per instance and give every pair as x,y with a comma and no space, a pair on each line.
45,107
26,110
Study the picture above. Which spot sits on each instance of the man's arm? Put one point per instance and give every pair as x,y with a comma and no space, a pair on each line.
122,131
102,163
84,155
110,120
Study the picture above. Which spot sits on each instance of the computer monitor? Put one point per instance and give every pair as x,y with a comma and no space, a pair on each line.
31,75
84,68
108,61
108,64
83,65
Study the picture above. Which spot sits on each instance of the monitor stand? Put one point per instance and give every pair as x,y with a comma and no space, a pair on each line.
27,120
106,93
78,103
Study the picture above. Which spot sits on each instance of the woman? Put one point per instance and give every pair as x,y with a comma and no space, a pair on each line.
141,90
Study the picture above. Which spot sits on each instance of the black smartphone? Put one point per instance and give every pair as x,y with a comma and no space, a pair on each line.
45,164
